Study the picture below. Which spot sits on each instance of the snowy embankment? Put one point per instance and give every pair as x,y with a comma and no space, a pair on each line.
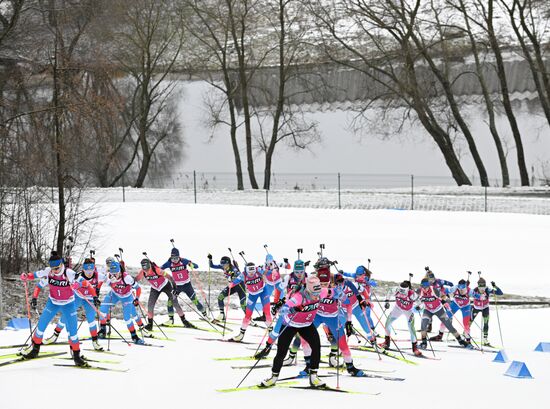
442,198
509,249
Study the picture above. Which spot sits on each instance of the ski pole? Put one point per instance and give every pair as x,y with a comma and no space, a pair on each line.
265,247
392,339
197,279
498,318
199,315
258,360
143,315
28,306
322,247
299,251
100,313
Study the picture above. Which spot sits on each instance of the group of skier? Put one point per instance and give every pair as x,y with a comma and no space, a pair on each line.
301,303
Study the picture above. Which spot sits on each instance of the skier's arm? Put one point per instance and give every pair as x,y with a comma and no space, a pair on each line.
496,290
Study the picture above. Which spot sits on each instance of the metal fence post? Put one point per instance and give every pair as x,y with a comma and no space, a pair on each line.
339,198
195,185
123,190
267,197
485,198
412,192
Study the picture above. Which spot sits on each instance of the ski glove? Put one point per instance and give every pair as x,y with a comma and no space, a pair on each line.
387,305
97,303
349,328
136,302
209,256
277,305
26,276
33,303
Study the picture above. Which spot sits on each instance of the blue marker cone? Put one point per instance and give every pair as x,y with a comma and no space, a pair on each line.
518,369
543,347
501,357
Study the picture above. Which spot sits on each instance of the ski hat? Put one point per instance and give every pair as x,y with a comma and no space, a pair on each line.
338,278
55,260
299,266
88,264
225,260
430,275
360,270
145,264
481,282
462,284
114,267
250,268
313,285
405,284
175,252
109,260
268,258
425,282
322,262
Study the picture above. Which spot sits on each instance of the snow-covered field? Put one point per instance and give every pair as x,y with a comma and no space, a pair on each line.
185,373
510,249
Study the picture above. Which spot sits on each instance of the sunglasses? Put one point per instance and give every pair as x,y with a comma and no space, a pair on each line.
174,258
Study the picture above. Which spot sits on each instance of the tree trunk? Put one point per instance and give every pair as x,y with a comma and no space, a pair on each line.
524,176
488,101
58,149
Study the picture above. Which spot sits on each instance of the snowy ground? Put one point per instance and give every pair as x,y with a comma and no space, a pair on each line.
508,248
185,372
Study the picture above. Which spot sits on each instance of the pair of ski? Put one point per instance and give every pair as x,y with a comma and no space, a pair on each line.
227,340
295,385
385,353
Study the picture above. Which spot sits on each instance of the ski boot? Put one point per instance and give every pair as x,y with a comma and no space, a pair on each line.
315,381
264,352
485,342
186,323
289,360
307,370
269,382
136,339
30,351
102,333
169,322
96,345
149,325
221,317
239,337
52,339
333,359
438,337
144,332
261,318
423,344
79,360
386,344
353,371
464,343
415,350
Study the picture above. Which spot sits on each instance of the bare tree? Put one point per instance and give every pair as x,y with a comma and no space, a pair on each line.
529,21
287,123
485,20
461,6
208,28
372,39
149,40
